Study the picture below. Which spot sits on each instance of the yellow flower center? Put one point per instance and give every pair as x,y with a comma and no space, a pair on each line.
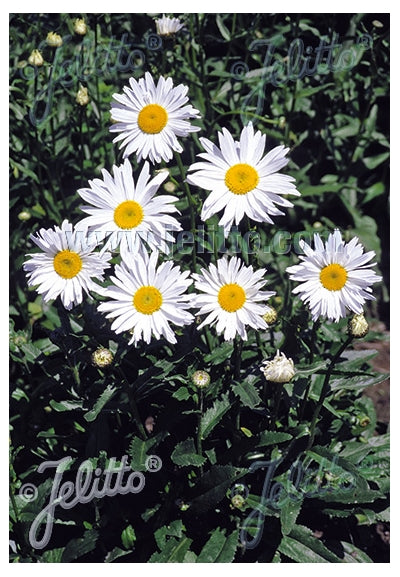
128,214
152,119
147,300
333,277
67,264
241,178
231,297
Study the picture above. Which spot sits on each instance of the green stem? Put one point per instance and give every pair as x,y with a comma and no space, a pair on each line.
325,389
277,402
133,405
237,357
199,442
190,202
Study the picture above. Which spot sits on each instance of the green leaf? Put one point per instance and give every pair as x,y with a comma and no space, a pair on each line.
371,162
174,529
78,547
212,487
357,383
105,396
213,415
128,537
220,354
182,394
354,555
185,454
247,392
219,549
138,450
312,90
53,555
318,189
63,406
303,547
115,554
173,552
272,437
290,510
222,28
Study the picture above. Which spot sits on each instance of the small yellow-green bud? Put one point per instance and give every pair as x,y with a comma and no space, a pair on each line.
358,326
102,357
238,501
36,58
271,316
169,186
201,379
82,96
364,421
54,40
24,215
80,27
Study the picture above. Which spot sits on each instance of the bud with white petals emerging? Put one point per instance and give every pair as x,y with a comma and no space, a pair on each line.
80,27
36,58
201,379
279,370
358,326
54,40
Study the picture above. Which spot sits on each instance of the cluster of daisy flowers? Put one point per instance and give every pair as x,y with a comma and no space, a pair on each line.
125,211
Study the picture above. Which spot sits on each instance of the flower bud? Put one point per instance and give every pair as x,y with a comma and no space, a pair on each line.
24,215
238,501
54,40
271,316
82,96
169,186
167,26
279,370
102,357
201,379
36,58
358,326
80,27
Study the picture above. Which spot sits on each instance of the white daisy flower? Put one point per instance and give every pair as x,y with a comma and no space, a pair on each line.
64,268
146,299
232,298
334,277
167,26
149,118
130,215
240,180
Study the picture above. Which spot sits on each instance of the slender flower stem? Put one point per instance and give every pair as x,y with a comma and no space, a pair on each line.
190,202
277,402
133,405
325,389
200,415
237,356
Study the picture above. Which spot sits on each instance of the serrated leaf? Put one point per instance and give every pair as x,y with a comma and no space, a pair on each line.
357,383
212,416
185,455
182,394
219,549
138,450
116,553
53,555
247,393
220,354
173,552
290,510
303,547
267,438
105,396
212,487
78,547
128,537
63,406
174,529
355,554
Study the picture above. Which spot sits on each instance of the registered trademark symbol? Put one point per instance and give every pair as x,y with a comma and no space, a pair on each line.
153,463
